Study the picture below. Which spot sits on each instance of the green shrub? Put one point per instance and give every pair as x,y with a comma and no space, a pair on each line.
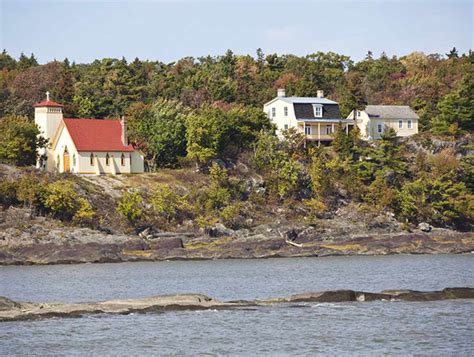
62,199
85,213
170,204
8,189
130,206
234,214
31,191
316,207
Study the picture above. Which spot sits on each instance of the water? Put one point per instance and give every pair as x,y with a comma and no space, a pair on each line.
401,328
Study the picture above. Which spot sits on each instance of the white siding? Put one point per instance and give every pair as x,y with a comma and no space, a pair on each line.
280,120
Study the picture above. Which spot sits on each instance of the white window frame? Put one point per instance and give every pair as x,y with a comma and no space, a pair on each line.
273,112
400,124
379,128
285,111
307,129
409,124
328,129
285,127
358,114
318,110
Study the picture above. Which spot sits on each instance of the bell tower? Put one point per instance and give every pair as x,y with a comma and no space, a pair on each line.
48,116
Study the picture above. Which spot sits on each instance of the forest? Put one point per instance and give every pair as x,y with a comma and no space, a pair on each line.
208,110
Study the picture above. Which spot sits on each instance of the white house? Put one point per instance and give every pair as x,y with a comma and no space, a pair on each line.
85,146
316,117
374,120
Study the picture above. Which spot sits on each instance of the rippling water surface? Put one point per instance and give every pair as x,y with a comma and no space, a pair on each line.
433,328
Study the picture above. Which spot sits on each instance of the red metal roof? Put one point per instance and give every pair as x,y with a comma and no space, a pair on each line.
96,135
47,103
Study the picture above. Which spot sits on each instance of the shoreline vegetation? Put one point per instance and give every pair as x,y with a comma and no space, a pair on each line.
220,184
13,311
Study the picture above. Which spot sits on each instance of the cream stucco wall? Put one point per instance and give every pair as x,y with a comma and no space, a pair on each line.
369,126
99,163
56,153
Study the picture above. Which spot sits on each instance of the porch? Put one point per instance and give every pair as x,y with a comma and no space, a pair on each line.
321,131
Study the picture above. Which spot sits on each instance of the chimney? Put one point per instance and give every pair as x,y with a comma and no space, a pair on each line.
320,93
123,124
281,92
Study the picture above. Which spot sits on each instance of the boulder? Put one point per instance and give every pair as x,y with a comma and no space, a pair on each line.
168,243
425,227
291,235
219,230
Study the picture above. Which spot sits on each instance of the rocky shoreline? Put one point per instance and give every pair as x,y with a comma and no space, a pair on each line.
12,311
28,240
88,246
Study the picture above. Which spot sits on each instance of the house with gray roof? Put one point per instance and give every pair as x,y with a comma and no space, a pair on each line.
315,117
374,120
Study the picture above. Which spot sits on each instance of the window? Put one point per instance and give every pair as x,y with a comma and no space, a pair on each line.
379,128
400,124
409,124
107,159
307,129
74,160
122,160
318,110
130,160
92,159
285,111
273,112
58,162
286,126
328,129
358,114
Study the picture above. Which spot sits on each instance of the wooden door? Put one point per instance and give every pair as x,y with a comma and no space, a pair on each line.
67,166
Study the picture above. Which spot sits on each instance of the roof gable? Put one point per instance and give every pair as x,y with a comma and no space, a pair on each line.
96,134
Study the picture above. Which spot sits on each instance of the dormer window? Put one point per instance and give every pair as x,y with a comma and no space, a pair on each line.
318,110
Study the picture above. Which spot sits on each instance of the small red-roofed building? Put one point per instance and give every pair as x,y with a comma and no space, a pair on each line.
85,146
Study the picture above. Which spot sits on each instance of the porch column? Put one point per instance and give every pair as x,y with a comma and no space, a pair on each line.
347,129
319,134
332,130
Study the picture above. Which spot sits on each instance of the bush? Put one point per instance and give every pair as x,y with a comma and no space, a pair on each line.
8,189
169,204
234,214
316,207
84,214
64,202
130,206
31,191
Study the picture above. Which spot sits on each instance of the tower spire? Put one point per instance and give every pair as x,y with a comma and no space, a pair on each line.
47,96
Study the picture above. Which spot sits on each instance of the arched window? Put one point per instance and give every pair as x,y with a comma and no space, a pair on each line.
92,159
107,159
122,159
